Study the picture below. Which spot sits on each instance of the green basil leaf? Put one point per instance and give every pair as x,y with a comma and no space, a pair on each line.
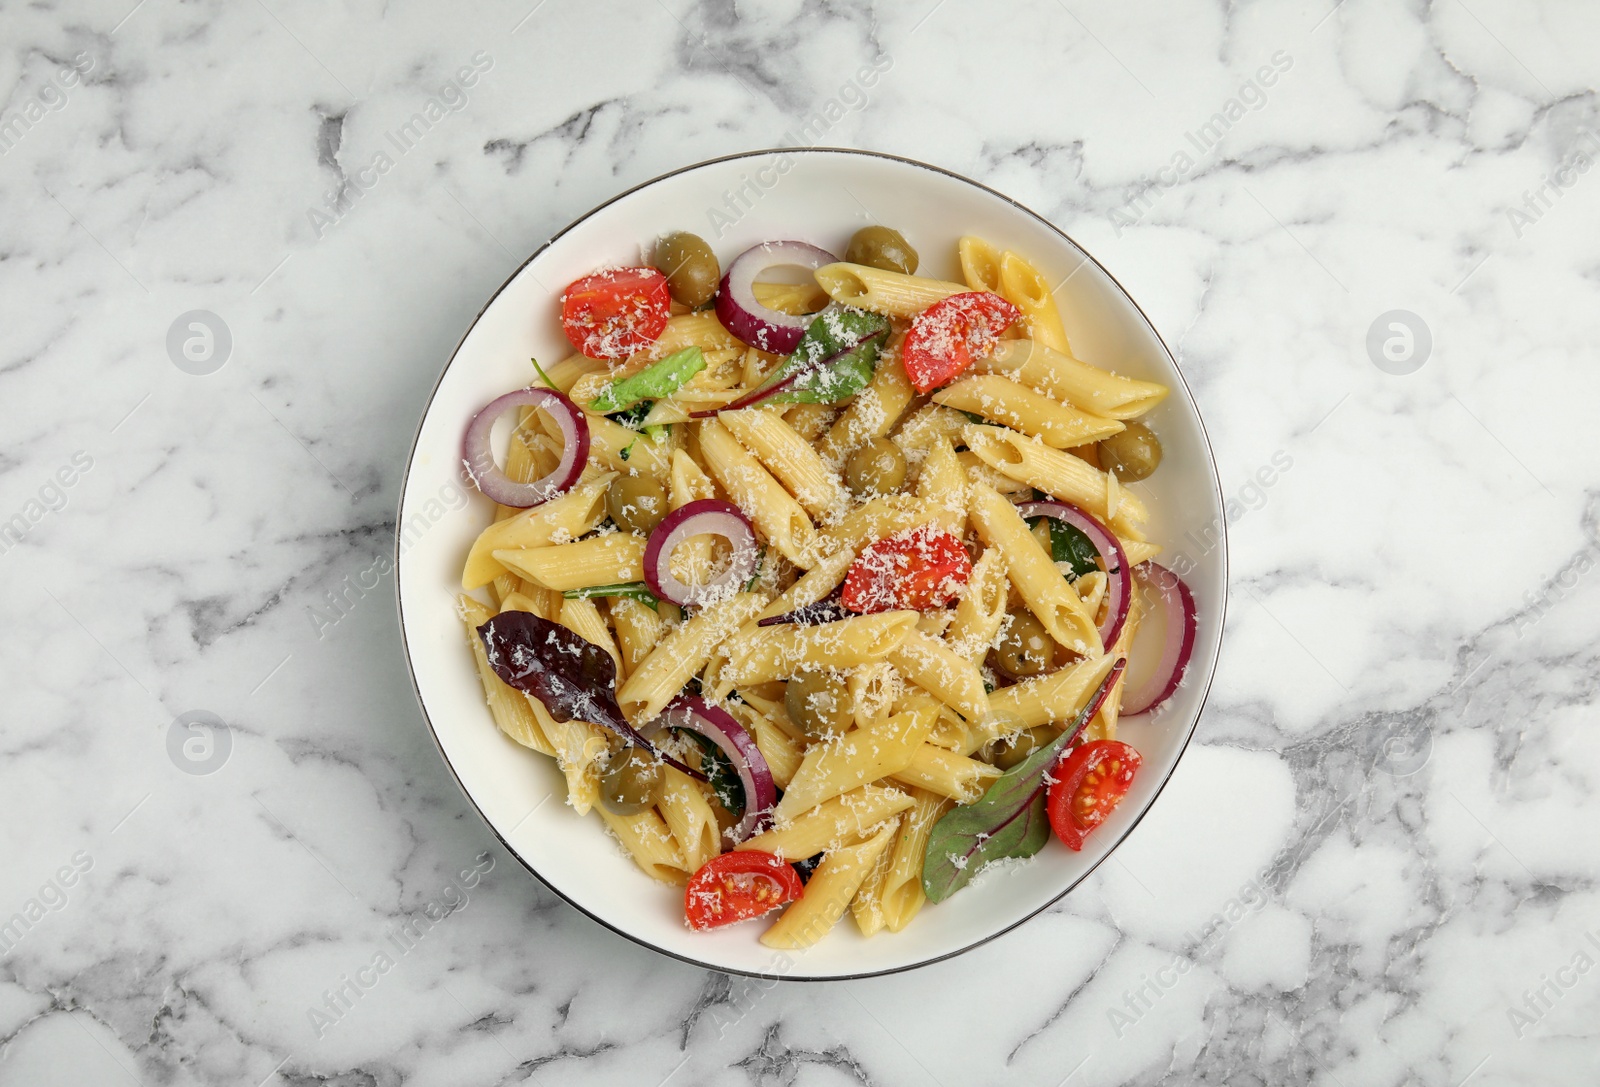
632,590
854,335
658,380
1068,544
1007,821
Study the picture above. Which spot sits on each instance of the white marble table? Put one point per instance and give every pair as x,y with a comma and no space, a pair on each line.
1376,864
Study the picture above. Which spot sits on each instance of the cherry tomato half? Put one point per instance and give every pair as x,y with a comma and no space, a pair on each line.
610,315
946,337
920,568
1091,782
739,886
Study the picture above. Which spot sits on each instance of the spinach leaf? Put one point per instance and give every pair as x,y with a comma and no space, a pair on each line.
1068,544
1009,820
573,677
834,359
655,381
632,590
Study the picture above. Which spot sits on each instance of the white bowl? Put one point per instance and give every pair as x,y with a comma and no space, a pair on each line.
821,196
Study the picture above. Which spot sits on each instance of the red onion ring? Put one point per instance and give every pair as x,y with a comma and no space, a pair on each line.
718,725
1178,645
1119,579
706,515
478,455
750,321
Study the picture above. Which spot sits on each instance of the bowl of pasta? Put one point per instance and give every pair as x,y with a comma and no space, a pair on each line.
811,564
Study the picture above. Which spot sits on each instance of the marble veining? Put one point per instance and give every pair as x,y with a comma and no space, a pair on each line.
1377,863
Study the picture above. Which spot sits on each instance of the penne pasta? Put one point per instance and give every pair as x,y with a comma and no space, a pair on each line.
835,882
789,457
599,560
875,410
901,895
980,264
1030,568
893,293
1058,374
932,665
649,842
999,399
781,652
981,609
867,905
659,677
1054,697
1058,474
1026,289
948,773
842,821
859,757
689,818
779,517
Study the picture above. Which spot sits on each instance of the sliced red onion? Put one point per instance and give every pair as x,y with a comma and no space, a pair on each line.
827,610
706,515
1119,579
718,725
750,321
1176,648
478,455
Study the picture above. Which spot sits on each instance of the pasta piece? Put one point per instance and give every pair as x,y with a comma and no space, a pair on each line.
1071,381
842,821
649,842
933,666
1103,726
949,773
1054,697
919,431
1138,551
775,513
579,751
599,560
660,676
608,441
980,264
1030,568
689,817
789,457
639,628
871,521
1002,400
781,652
507,705
859,757
867,906
782,751
901,895
942,483
828,894
583,618
698,329
1026,289
874,689
981,609
892,293
875,410
813,585
565,374
1061,475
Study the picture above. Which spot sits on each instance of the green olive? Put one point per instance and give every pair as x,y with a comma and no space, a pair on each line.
691,268
1026,648
1132,454
819,704
1012,750
882,247
631,782
876,468
636,503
